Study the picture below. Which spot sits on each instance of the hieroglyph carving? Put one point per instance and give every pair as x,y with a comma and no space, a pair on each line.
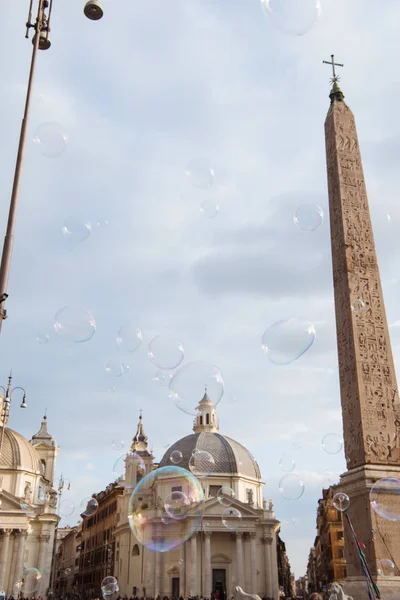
367,376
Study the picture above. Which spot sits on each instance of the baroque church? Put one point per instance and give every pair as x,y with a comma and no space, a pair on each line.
214,558
28,506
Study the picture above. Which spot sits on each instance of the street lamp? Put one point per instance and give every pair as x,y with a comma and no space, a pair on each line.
5,406
40,41
61,484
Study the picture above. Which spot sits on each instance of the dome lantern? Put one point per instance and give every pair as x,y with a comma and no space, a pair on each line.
206,419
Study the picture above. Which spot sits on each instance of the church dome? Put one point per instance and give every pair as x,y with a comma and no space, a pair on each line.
229,456
18,452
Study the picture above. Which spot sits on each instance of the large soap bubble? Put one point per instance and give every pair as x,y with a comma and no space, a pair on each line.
146,511
189,383
385,498
285,341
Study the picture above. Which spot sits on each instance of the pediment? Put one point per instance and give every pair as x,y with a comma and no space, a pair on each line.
221,558
173,571
214,508
10,503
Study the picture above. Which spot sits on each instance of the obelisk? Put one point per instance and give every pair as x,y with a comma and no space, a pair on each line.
368,387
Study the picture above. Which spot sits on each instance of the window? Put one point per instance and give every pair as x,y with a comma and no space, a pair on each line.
178,488
340,535
340,552
213,491
207,419
43,466
135,550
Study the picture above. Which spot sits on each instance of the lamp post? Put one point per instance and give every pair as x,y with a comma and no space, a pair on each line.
5,406
40,41
61,484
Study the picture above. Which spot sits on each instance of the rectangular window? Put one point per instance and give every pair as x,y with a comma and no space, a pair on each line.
213,491
207,419
178,488
340,535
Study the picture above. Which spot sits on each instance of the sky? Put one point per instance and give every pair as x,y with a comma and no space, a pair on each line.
140,94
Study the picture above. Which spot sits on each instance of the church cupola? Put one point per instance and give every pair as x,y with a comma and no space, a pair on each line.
45,445
206,419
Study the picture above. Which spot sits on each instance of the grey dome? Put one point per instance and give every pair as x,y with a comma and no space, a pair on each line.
229,455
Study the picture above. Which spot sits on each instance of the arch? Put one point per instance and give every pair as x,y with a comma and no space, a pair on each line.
221,558
43,466
135,550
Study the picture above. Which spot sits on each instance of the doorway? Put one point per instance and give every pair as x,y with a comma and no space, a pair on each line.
175,587
219,583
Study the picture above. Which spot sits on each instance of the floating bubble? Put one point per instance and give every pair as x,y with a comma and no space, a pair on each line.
341,501
386,567
202,464
209,208
120,468
67,508
129,338
29,579
200,173
296,446
332,443
385,498
177,505
116,368
189,382
109,586
41,496
165,352
29,510
76,231
176,457
358,305
232,518
111,389
101,224
286,463
291,487
67,571
163,378
89,507
285,341
51,139
42,338
118,444
153,490
226,495
308,217
292,17
74,324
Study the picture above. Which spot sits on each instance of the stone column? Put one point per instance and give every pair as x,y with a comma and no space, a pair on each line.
19,561
268,571
239,559
193,548
4,556
11,569
44,539
182,570
158,575
253,563
207,565
274,571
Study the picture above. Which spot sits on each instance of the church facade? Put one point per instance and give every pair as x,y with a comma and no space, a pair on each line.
214,558
28,517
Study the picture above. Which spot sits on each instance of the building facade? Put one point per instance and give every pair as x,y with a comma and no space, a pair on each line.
67,562
284,574
28,516
214,558
96,542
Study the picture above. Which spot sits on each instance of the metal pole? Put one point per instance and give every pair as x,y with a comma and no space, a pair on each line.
9,237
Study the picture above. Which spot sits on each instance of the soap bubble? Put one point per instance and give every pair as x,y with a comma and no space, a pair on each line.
358,305
118,444
386,567
41,496
286,463
176,457
163,378
209,208
109,586
28,581
120,468
74,324
189,382
200,173
202,464
129,338
165,352
42,338
332,443
76,231
177,505
147,526
232,518
89,507
28,510
51,139
308,217
292,17
116,368
291,487
226,496
385,498
287,340
341,501
67,508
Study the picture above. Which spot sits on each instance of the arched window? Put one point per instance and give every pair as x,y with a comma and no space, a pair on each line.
43,466
201,420
207,419
135,550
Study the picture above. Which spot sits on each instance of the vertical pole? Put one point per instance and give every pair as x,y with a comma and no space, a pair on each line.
9,237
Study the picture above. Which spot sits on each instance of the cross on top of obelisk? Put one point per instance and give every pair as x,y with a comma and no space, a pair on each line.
335,77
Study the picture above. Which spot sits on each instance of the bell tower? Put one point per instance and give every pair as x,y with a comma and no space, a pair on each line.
206,419
368,387
45,445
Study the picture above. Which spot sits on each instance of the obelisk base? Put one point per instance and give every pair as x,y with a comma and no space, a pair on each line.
356,587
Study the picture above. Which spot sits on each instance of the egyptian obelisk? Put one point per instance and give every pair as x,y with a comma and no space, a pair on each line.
368,387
